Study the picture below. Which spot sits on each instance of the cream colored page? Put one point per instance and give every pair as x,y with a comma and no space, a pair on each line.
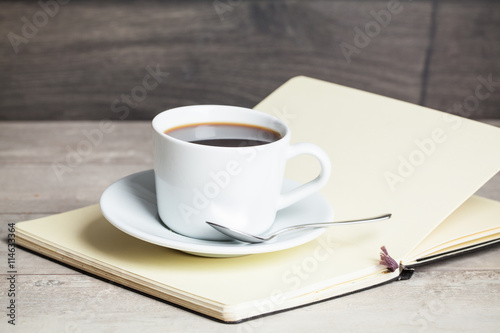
86,234
477,218
364,134
387,156
462,247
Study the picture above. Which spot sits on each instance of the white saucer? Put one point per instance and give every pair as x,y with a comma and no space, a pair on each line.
130,205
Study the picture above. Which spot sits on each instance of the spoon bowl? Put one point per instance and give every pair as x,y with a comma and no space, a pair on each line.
248,238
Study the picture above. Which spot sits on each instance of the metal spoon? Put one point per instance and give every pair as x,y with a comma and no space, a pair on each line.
248,238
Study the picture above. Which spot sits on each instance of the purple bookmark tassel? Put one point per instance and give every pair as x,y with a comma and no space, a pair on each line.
387,261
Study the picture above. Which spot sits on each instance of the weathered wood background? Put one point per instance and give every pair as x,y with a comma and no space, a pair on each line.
89,59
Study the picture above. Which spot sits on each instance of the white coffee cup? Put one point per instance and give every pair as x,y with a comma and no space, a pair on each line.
237,187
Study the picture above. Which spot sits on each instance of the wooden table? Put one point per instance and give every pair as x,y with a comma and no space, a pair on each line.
459,294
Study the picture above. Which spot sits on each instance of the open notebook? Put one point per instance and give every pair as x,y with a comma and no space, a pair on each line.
388,156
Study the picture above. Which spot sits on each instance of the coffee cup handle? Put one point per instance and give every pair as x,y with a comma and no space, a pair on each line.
304,190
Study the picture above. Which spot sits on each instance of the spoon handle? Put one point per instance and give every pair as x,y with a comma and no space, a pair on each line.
327,224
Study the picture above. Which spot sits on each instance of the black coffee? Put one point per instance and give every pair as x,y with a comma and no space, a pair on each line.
224,134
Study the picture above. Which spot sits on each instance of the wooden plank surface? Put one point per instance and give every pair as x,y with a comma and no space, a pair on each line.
458,294
81,63
450,304
465,54
85,58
